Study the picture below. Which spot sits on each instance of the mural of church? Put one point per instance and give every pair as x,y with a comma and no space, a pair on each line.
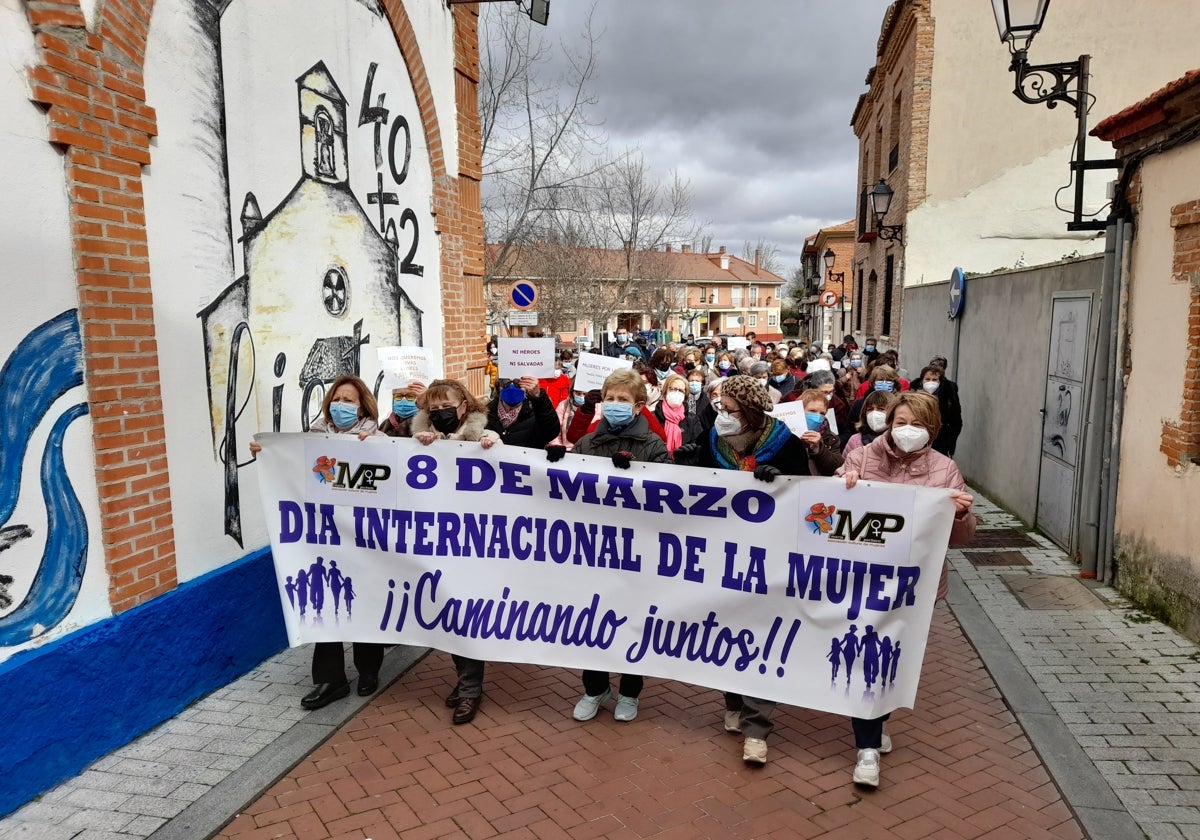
321,281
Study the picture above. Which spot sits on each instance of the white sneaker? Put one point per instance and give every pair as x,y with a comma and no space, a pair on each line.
885,743
626,708
866,772
588,705
754,751
733,721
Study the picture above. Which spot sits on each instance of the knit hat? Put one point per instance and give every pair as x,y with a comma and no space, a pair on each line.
633,351
748,392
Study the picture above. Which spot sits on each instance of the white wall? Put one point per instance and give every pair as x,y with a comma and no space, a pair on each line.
38,285
1158,334
198,180
995,162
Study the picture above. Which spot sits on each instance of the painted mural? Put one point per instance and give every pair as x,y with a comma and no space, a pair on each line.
344,258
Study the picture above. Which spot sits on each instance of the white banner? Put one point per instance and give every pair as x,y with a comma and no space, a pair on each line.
797,590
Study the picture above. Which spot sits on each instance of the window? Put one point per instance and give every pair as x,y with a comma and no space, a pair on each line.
752,319
858,306
335,291
894,132
735,296
715,297
753,296
772,320
703,295
1180,440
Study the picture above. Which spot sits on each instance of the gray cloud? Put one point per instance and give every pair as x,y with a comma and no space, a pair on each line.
749,99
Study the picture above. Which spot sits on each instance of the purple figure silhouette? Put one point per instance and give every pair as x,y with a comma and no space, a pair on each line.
885,659
291,592
335,584
316,584
302,590
895,662
348,594
835,658
850,649
870,651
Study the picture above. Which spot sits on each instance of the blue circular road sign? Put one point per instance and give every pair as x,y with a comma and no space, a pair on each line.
958,292
523,295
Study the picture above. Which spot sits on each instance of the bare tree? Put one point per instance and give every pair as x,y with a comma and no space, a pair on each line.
766,252
634,216
539,139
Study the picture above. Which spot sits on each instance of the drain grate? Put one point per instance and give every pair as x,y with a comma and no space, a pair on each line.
1002,538
1051,592
996,558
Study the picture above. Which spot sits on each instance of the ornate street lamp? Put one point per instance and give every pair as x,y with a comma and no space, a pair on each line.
881,201
1018,21
830,258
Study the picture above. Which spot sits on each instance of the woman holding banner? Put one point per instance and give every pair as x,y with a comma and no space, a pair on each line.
349,408
449,412
746,437
903,455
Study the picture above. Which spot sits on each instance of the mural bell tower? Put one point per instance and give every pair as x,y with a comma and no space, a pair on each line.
322,126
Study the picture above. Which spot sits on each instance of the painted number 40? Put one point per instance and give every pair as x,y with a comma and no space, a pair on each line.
378,115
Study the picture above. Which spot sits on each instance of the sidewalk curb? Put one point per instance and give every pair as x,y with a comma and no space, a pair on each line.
1097,808
208,814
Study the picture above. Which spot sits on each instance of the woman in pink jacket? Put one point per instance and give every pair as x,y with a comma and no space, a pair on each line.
903,455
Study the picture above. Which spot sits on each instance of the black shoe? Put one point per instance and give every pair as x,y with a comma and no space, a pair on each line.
368,684
324,694
452,698
465,711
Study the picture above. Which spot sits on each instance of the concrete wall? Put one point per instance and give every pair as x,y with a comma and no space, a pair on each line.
1001,368
995,162
156,318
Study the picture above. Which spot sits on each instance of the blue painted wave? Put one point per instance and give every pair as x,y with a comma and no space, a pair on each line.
43,367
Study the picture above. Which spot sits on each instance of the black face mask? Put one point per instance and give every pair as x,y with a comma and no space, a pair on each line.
445,420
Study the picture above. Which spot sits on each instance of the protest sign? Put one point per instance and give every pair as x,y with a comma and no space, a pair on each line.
402,365
798,590
791,414
736,342
517,357
591,369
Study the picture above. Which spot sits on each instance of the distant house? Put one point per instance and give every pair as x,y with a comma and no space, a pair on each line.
682,291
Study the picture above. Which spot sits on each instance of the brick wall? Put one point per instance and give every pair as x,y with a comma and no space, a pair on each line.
90,84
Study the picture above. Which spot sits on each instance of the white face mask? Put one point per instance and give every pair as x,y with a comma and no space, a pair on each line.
674,398
930,386
877,420
727,425
909,438
829,397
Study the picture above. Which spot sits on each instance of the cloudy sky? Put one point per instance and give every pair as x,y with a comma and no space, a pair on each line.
749,99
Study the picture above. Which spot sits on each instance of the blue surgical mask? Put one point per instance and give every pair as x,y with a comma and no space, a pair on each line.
404,407
618,414
568,367
578,399
710,358
695,387
870,348
344,415
884,385
813,421
512,394
856,363
779,378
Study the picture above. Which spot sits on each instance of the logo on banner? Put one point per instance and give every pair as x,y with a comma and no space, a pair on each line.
345,476
841,526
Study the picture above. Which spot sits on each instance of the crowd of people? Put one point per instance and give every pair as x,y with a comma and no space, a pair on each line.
692,403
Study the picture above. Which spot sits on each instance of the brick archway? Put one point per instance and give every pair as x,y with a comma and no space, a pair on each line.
92,88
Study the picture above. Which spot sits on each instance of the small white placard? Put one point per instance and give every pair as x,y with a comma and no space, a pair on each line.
818,364
526,357
737,342
591,369
522,318
401,365
791,414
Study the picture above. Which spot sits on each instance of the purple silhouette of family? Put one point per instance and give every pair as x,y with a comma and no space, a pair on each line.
307,588
880,656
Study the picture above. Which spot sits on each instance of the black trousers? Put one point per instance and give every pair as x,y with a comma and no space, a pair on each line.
329,663
594,683
868,732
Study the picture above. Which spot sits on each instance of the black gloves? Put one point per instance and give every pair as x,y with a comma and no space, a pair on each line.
555,453
687,450
765,472
589,402
621,460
